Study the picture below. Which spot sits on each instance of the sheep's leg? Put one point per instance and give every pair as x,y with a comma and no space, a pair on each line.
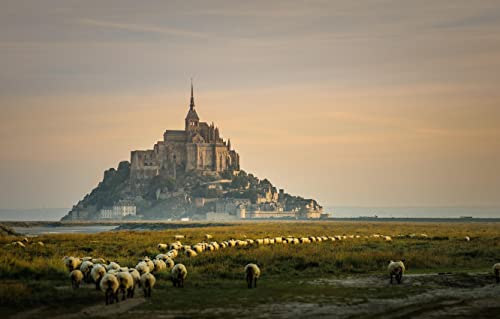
123,294
255,282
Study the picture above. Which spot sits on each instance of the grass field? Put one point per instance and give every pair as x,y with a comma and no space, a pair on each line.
344,278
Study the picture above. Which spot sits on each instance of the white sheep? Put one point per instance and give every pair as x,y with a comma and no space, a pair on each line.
252,272
76,277
173,253
136,276
142,267
97,272
178,237
72,263
159,265
98,261
496,271
208,236
113,266
198,248
467,238
126,284
396,269
162,247
179,274
147,283
169,263
109,285
191,253
40,243
86,268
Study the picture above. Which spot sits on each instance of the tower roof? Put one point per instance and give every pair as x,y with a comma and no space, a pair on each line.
192,115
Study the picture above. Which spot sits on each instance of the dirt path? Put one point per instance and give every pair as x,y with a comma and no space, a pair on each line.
102,310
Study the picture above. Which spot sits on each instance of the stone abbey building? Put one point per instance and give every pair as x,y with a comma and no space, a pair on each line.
198,147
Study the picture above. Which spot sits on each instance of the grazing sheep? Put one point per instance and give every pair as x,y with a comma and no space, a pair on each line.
496,271
396,269
40,243
18,244
198,248
161,256
260,241
388,238
162,247
147,283
169,263
191,253
142,267
179,274
86,268
208,236
98,261
86,258
97,272
76,277
178,237
126,284
467,238
252,272
72,263
109,285
150,263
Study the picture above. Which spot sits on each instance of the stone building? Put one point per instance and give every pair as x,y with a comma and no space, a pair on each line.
198,147
118,211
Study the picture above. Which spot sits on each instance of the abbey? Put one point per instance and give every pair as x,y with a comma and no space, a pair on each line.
199,147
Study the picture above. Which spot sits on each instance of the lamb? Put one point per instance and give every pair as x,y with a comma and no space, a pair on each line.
97,272
126,284
396,269
179,274
76,277
109,285
86,268
72,263
496,271
162,247
147,283
191,253
252,272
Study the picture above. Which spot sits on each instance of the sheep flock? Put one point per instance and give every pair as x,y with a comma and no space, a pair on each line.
114,279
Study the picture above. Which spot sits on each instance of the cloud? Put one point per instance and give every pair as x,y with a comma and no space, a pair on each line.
143,28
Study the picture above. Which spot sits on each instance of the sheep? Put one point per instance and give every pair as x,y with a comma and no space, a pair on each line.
86,268
136,276
40,243
72,263
208,236
150,263
496,271
76,277
252,272
198,248
25,240
397,269
86,258
191,253
113,266
147,283
126,284
260,241
179,274
97,272
173,253
162,247
175,245
142,267
109,285
98,261
18,244
169,263
159,265
467,238
278,240
178,237
388,238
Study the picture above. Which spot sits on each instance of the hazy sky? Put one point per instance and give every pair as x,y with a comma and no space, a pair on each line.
349,102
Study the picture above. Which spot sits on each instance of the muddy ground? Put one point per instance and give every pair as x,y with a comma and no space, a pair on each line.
362,296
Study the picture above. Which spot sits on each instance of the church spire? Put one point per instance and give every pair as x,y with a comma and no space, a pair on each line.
191,105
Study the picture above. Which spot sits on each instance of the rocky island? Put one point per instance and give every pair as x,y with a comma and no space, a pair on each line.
192,174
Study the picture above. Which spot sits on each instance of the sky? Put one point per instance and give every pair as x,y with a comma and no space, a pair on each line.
362,103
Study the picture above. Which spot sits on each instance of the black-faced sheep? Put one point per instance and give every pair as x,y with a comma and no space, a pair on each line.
159,265
109,285
136,276
126,284
147,283
252,272
113,266
97,272
191,253
86,268
76,277
72,263
142,267
396,269
496,271
179,274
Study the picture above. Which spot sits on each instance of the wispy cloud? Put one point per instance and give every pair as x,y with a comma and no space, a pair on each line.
142,28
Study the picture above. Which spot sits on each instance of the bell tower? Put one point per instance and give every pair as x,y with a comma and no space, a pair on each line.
192,119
